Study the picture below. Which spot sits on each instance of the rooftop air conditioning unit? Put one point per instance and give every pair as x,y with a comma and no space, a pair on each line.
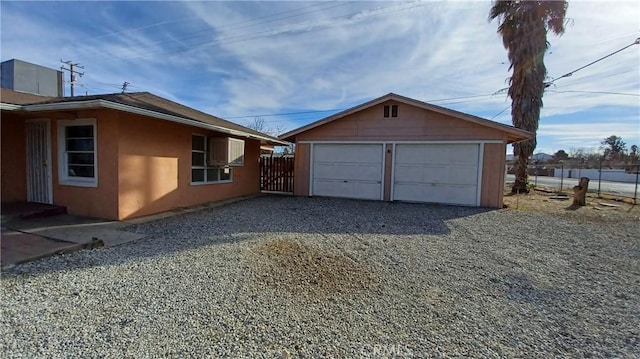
225,151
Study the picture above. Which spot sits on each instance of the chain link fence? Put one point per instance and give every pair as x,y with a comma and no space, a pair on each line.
606,178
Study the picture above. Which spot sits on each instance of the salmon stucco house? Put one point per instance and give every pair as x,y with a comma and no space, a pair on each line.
120,156
397,148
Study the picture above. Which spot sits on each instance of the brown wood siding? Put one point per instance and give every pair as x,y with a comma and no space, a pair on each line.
412,124
302,169
493,175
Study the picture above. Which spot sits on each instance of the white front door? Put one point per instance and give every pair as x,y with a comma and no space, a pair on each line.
39,186
437,173
347,170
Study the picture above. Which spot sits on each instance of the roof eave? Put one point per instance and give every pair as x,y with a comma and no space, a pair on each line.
76,105
9,106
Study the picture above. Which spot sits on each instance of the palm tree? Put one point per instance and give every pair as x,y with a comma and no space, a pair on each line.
523,27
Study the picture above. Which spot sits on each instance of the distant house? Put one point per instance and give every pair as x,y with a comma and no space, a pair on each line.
395,148
120,156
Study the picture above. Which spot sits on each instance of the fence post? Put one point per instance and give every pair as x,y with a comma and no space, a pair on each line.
561,176
599,177
635,191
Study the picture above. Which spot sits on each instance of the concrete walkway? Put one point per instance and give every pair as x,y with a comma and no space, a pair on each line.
18,247
25,240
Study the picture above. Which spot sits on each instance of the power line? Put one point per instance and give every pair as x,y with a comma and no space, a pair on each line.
498,114
568,74
598,92
592,78
286,113
342,109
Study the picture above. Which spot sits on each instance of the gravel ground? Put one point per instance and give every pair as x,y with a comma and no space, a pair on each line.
281,277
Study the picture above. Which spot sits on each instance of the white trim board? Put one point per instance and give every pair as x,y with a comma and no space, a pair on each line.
426,142
480,171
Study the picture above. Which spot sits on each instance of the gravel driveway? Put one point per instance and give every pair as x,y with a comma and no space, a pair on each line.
283,276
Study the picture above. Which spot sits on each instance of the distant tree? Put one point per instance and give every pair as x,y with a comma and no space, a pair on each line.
578,154
584,158
523,26
614,148
634,156
257,124
560,156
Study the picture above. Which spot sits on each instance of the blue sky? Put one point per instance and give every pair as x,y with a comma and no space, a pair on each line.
239,60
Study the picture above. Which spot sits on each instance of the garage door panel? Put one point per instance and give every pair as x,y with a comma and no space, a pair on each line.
336,188
462,175
464,154
435,193
347,170
346,153
438,173
437,154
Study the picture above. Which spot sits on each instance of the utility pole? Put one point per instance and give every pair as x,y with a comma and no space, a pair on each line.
124,86
72,73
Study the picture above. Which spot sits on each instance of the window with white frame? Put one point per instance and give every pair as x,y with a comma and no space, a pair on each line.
77,153
201,172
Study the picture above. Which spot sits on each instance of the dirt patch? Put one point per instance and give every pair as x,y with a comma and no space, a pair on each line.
305,269
599,210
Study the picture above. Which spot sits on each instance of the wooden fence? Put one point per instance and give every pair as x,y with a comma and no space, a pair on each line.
276,174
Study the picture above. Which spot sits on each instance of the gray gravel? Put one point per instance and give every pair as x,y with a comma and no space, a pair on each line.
316,277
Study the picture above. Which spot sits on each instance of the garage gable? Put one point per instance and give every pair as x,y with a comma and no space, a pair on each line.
394,117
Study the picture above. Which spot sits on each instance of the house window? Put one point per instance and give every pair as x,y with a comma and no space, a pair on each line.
390,111
77,153
201,172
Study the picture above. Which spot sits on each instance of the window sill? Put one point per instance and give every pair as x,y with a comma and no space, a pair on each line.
67,182
208,183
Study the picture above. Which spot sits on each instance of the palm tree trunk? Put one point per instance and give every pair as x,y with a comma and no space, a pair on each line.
520,185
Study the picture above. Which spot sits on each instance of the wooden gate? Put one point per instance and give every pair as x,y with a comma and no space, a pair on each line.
276,174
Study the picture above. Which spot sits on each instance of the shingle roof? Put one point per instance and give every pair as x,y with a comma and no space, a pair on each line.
21,98
140,100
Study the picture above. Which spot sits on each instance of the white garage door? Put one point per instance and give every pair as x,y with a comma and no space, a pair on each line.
347,170
438,173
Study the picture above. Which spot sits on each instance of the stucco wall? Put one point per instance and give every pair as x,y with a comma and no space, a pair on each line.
13,159
100,201
155,169
144,166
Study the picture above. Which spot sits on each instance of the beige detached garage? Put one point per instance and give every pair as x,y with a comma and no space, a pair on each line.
396,148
